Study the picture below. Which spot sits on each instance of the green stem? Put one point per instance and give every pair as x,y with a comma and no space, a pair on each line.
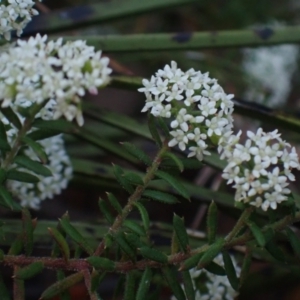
16,145
18,288
134,197
34,109
240,223
190,41
122,267
95,14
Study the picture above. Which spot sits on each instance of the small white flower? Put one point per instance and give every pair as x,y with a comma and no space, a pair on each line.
180,138
181,120
207,107
191,98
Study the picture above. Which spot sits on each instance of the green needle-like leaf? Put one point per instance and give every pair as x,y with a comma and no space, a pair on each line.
181,233
176,184
144,285
32,165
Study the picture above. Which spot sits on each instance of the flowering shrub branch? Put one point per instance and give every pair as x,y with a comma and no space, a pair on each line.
43,81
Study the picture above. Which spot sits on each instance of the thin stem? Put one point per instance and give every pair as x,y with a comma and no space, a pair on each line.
133,198
240,223
34,109
123,267
17,143
18,289
88,284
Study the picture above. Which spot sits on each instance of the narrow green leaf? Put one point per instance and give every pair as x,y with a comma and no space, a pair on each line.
118,171
101,263
37,148
3,175
42,134
144,285
188,285
134,227
191,262
27,231
144,215
60,275
275,251
175,246
133,178
181,233
118,289
22,176
246,266
61,286
125,246
294,240
211,253
153,130
7,198
105,211
32,165
17,246
4,145
134,240
12,117
30,271
56,250
114,202
212,222
230,271
96,279
216,269
188,163
171,276
138,153
75,235
60,125
176,184
61,242
160,196
175,159
154,254
130,293
257,233
4,293
108,239
163,125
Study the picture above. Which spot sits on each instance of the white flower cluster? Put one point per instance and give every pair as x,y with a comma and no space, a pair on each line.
260,169
14,15
59,164
266,65
198,107
36,70
216,287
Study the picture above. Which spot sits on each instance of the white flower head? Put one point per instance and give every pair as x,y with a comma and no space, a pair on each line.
194,101
15,15
53,70
260,169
